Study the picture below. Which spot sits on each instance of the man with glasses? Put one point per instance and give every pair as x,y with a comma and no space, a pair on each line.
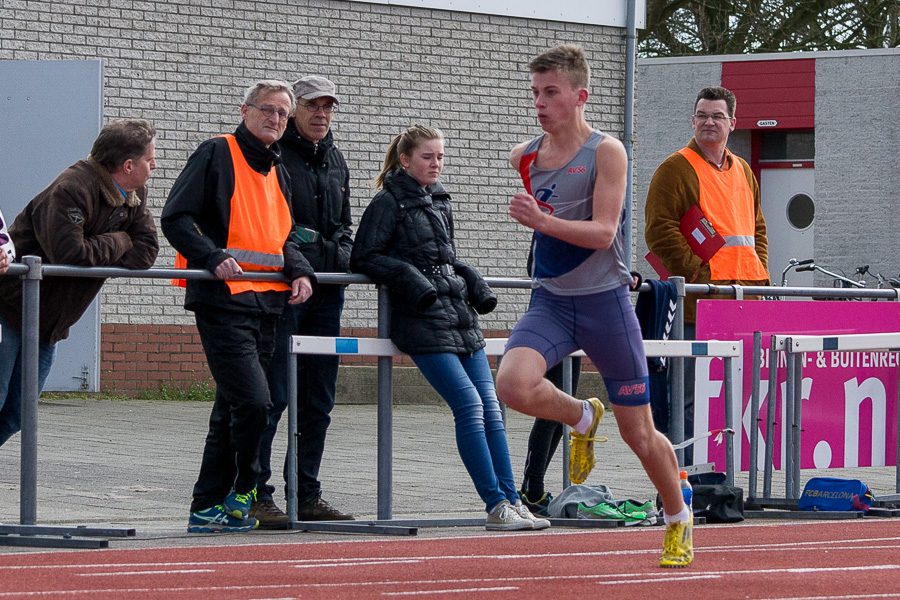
94,214
320,196
230,211
708,175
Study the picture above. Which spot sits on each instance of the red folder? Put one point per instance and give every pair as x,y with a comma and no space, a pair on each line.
658,266
700,235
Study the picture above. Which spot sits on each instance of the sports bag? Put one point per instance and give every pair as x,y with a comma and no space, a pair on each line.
718,503
832,493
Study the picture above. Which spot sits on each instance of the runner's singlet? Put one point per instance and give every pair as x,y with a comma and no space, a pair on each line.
568,193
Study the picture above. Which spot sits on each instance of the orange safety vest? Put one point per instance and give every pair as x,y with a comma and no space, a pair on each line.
259,225
727,201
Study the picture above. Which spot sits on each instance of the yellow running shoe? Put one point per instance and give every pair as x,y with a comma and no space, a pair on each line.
581,447
678,545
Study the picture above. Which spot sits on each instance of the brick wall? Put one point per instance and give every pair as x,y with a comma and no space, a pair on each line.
141,357
185,65
857,140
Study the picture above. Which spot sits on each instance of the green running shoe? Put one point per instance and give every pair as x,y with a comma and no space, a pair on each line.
628,506
605,510
632,507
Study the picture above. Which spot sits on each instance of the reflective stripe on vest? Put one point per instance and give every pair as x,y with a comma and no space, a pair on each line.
727,201
259,225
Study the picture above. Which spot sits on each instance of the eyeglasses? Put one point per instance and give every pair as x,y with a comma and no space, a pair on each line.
718,117
270,112
314,108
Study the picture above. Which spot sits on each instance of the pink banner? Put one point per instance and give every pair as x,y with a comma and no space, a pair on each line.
849,398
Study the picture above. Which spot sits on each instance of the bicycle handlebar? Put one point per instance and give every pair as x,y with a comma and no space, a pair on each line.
814,267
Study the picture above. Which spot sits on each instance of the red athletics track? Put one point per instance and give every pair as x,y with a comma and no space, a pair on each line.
777,560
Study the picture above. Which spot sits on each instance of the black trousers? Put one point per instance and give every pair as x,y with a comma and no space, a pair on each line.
238,349
316,387
545,436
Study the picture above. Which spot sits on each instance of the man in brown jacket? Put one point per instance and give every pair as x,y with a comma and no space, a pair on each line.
94,214
698,175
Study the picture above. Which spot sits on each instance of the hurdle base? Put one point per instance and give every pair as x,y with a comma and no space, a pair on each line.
56,536
370,527
835,515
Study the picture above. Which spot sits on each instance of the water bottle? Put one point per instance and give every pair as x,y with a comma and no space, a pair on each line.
687,492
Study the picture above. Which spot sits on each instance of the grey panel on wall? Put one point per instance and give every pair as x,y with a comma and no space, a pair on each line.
50,114
665,101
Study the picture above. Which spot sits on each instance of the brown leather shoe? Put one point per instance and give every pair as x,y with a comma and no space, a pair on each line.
269,515
319,510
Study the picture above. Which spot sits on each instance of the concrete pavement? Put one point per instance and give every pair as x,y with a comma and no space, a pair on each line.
133,463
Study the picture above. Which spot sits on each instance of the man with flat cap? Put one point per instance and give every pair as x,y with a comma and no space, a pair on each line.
320,186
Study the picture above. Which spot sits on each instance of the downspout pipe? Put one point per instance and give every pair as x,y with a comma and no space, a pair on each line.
630,62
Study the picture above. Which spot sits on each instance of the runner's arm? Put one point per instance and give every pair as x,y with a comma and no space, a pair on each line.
609,197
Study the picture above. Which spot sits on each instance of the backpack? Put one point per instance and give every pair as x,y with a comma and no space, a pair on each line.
718,503
834,494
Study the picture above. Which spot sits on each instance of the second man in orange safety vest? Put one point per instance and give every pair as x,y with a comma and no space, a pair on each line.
707,174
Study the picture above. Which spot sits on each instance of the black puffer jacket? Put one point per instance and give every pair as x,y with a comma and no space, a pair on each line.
405,231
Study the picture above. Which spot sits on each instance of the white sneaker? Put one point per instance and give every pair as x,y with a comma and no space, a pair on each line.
537,523
505,518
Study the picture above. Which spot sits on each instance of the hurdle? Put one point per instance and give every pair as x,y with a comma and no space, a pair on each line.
794,347
385,350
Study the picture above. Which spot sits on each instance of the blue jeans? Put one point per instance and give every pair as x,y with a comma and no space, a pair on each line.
466,384
11,378
316,384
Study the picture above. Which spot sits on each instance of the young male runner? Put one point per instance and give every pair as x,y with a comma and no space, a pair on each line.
575,180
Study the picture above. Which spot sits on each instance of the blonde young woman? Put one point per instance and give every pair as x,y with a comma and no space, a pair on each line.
405,240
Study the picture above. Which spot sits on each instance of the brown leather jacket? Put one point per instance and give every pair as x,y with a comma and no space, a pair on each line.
80,219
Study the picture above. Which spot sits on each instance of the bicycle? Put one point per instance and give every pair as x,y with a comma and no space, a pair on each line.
793,263
881,280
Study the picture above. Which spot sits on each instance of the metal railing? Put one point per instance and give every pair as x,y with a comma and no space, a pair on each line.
31,271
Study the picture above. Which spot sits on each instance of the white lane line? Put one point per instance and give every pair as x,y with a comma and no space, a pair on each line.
363,563
465,591
851,545
838,597
660,578
167,572
122,592
623,578
832,546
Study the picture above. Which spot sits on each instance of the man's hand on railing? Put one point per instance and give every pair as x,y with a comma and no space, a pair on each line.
301,290
228,268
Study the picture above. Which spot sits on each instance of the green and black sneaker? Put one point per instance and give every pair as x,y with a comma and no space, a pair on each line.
630,507
540,508
606,510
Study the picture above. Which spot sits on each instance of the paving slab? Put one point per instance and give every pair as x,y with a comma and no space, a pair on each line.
131,464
